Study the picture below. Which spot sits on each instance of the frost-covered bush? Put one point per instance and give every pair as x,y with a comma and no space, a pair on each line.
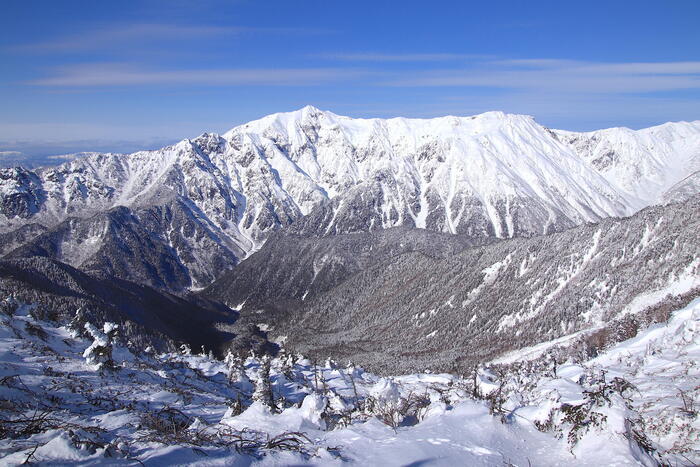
600,397
387,404
99,353
166,421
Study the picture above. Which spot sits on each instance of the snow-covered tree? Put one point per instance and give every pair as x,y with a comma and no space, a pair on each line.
77,324
185,349
235,368
350,370
100,351
263,385
287,362
9,305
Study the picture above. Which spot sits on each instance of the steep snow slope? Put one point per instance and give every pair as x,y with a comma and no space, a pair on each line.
166,246
491,174
642,164
683,189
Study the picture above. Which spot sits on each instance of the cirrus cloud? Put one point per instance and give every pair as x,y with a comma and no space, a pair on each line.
562,76
117,36
110,74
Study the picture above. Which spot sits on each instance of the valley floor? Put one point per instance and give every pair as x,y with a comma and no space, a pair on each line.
183,409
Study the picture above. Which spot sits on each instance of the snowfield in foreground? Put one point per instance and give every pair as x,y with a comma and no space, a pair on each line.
69,395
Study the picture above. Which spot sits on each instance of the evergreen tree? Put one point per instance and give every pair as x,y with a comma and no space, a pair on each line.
235,368
9,306
77,324
263,385
100,351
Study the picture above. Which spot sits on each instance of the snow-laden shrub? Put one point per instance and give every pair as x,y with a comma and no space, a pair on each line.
601,399
235,407
391,408
314,408
99,353
166,421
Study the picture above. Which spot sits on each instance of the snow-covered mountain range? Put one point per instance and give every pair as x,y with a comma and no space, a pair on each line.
403,245
211,201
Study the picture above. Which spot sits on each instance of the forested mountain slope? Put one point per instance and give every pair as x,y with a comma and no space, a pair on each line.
147,317
413,310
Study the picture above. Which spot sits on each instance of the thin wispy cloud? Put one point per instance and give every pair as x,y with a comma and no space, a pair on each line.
663,68
413,57
128,75
563,76
9,154
129,34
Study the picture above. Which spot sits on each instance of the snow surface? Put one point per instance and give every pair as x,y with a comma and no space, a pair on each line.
98,417
643,164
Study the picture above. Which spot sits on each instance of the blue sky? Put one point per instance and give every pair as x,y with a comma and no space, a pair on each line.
86,75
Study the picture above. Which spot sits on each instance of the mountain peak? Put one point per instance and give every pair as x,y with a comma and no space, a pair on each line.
310,109
284,119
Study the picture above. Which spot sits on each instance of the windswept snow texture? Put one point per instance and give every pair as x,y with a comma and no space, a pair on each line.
210,201
181,409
